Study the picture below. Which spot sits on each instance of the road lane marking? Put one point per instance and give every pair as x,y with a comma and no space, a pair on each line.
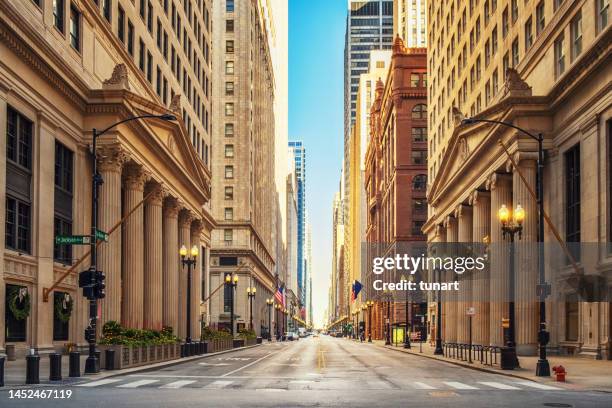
423,386
136,384
248,365
216,385
214,364
459,386
501,386
99,382
378,385
538,385
178,384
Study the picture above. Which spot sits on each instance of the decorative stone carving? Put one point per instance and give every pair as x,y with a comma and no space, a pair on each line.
185,217
119,78
514,84
171,207
111,157
457,116
398,46
134,177
156,193
175,104
464,149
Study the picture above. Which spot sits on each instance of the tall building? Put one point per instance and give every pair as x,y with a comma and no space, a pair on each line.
542,66
298,152
96,64
410,22
245,197
337,264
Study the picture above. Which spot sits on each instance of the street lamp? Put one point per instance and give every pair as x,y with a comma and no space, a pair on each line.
364,307
406,336
232,282
370,304
543,288
190,262
512,224
439,350
277,310
92,364
269,303
251,294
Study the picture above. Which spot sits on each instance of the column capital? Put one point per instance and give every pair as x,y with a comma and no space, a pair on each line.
197,226
462,209
171,207
496,179
111,157
439,230
185,218
523,159
157,194
134,177
479,195
448,220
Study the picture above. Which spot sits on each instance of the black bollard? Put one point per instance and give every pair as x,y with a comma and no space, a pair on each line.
55,367
33,369
183,350
75,364
1,371
110,359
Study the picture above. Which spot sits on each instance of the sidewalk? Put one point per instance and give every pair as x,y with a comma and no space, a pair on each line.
15,371
594,375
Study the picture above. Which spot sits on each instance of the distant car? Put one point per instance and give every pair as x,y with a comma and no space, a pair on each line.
292,336
315,335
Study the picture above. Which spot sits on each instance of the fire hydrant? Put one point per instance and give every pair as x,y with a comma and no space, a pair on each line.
559,373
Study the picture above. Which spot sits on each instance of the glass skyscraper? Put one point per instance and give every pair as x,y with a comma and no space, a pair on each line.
299,156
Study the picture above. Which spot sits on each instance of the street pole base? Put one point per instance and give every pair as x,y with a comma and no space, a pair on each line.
369,340
387,343
438,351
92,365
542,368
407,345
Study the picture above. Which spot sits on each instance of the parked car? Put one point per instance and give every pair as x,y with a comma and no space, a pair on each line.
292,336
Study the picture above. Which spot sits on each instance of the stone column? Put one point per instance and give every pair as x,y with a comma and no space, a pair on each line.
526,261
464,235
501,194
196,282
133,249
481,204
170,264
110,162
3,119
449,324
439,243
185,218
153,260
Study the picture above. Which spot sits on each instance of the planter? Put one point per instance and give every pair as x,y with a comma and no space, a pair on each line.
215,345
126,357
259,340
239,343
10,352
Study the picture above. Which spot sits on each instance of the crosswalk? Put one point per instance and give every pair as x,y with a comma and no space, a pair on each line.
287,384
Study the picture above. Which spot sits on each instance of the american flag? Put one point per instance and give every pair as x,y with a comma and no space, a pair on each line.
279,296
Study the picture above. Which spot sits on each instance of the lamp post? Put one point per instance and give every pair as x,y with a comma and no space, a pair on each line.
370,304
439,350
251,294
232,282
190,262
269,303
388,320
277,318
510,228
364,307
406,336
543,288
92,364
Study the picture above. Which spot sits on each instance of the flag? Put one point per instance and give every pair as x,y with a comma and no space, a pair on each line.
356,288
279,296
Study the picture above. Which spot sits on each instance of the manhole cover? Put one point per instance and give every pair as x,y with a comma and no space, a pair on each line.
557,405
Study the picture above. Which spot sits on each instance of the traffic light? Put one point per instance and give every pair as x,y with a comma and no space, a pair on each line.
86,282
100,286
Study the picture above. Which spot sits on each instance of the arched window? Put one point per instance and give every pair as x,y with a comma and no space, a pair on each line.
419,182
419,111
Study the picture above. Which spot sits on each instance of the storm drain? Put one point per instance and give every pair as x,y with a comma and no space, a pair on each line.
557,405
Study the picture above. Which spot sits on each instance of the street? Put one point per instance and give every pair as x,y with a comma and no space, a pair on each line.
320,371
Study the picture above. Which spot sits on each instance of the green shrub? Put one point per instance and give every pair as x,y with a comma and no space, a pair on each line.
247,334
212,334
114,334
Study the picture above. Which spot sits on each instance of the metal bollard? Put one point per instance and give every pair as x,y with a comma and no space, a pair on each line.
1,371
183,350
55,367
74,364
33,369
110,359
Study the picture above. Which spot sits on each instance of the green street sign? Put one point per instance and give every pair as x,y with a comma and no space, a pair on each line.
72,240
101,236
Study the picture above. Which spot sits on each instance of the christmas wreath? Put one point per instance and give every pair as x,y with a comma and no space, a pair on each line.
19,303
63,307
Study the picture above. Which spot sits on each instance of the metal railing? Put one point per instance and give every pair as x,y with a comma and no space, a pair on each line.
486,355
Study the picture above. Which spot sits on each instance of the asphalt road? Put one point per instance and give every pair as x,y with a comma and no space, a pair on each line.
314,372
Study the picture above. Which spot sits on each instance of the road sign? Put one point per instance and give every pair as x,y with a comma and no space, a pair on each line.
72,240
101,236
471,311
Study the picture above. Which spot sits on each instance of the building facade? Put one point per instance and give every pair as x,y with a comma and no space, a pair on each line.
410,22
297,151
395,175
99,63
542,66
244,189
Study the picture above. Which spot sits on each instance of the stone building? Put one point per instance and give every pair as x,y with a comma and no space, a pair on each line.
245,201
71,66
395,173
543,66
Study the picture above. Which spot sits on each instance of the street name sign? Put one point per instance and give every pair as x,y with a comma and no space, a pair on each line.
72,240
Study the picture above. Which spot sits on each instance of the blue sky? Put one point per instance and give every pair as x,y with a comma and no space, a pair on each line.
316,52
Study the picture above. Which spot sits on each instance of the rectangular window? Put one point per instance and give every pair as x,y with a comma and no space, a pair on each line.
487,53
229,46
494,41
514,4
229,67
419,134
141,54
559,56
130,38
505,24
19,139
229,150
60,305
603,6
494,83
228,235
229,26
528,34
149,67
572,320
572,194
229,193
150,17
159,34
229,172
17,225
229,88
158,82
121,24
15,329
229,130
419,157
75,27
414,80
143,10
515,53
106,9
576,33
540,19
227,293
165,91
229,214
229,6
58,14
229,109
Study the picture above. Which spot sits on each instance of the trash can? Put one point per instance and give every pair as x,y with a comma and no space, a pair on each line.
507,359
1,371
74,364
110,359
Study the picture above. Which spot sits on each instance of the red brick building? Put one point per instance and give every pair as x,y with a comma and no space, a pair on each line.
396,167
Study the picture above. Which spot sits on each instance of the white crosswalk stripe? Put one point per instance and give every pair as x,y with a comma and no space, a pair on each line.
422,386
497,385
539,386
136,384
99,382
215,385
178,384
460,386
